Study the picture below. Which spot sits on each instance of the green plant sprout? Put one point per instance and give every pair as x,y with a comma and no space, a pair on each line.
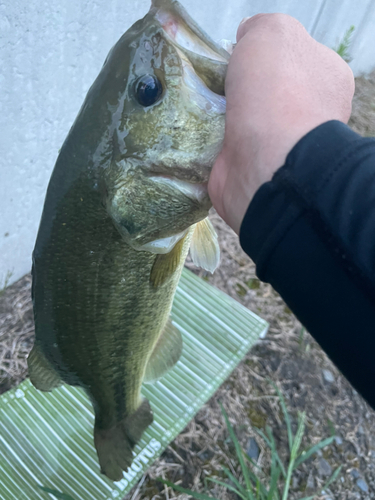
276,486
301,335
8,275
343,47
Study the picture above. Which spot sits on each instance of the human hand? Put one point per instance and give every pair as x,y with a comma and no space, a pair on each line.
280,85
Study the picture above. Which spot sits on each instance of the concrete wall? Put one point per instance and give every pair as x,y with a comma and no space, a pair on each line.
51,51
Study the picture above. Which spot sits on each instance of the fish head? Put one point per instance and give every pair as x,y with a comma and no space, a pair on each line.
166,126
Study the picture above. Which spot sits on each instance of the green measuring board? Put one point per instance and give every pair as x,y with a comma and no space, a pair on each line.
46,438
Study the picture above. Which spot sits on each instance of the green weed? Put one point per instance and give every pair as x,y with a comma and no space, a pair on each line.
343,48
255,484
8,275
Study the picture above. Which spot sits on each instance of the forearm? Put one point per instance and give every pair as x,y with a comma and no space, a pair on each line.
311,233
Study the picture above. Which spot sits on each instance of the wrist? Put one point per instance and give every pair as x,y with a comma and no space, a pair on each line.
240,171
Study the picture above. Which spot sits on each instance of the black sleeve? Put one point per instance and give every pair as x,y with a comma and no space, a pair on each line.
311,234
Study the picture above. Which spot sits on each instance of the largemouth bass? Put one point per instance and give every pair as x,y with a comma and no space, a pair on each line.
127,198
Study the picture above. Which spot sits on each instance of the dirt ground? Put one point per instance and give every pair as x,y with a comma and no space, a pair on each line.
288,356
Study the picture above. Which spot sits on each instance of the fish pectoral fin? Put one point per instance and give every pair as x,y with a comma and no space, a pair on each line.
165,355
42,375
166,264
115,445
204,248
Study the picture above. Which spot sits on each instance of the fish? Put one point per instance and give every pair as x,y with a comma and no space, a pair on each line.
126,201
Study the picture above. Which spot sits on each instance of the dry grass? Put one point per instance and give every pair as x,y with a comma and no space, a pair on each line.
16,332
363,115
288,356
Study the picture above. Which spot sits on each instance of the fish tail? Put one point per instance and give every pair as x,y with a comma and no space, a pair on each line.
115,445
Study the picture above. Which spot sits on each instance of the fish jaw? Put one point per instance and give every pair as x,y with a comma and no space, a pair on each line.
185,32
203,67
208,58
153,212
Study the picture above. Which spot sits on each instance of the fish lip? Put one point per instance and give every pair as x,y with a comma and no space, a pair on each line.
195,190
190,177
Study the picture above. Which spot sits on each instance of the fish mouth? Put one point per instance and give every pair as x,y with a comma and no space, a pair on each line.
195,191
204,66
185,32
209,59
201,93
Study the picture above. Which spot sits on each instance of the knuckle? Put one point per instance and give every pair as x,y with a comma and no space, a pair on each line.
277,23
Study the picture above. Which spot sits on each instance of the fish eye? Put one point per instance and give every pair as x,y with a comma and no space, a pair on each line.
148,90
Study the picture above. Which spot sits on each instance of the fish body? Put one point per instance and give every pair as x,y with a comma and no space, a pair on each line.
127,198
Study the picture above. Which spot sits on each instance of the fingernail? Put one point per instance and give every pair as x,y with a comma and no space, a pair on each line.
244,20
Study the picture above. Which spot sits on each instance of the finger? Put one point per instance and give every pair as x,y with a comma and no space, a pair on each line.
242,28
246,24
